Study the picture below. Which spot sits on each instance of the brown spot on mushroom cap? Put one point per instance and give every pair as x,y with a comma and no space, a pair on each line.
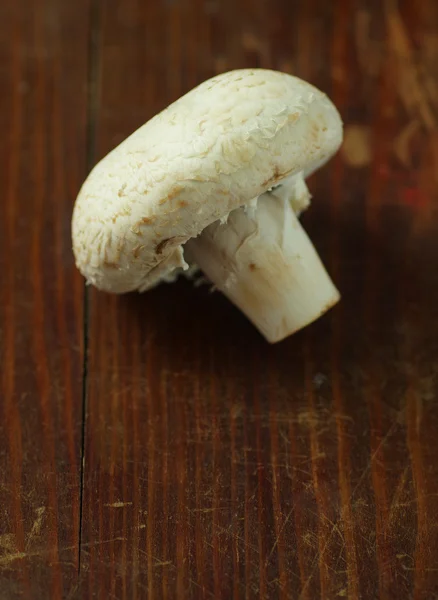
293,117
252,267
125,211
314,132
136,251
276,176
110,265
273,178
135,229
172,194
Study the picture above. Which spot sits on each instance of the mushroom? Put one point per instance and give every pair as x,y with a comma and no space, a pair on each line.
218,180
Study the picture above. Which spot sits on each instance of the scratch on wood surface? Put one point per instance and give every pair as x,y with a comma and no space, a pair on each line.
373,458
310,539
210,509
169,563
335,526
285,522
316,562
10,558
369,52
36,527
403,141
7,542
410,86
396,504
118,504
157,562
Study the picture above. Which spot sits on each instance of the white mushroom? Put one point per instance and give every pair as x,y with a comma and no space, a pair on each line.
222,171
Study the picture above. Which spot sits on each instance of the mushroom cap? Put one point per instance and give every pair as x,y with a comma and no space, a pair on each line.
215,149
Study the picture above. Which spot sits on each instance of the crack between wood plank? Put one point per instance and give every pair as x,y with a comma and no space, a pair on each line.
92,109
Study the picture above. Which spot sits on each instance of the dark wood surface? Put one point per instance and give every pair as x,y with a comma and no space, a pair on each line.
154,446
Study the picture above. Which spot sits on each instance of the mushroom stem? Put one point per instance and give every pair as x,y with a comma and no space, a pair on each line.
264,262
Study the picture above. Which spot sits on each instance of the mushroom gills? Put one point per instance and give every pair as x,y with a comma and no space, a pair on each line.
264,262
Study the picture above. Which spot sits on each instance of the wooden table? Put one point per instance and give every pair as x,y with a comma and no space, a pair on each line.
155,446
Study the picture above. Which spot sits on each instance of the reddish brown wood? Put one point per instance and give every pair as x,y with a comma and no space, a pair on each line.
307,478
43,58
216,466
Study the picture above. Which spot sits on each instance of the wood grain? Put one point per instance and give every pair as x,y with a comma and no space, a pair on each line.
214,465
43,108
